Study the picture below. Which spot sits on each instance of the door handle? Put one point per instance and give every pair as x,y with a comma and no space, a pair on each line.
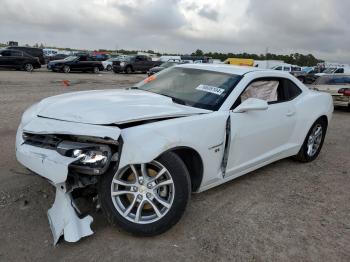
290,113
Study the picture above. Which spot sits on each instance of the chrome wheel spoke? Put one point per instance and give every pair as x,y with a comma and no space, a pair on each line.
138,212
144,173
122,192
122,183
318,131
128,210
155,208
164,183
160,173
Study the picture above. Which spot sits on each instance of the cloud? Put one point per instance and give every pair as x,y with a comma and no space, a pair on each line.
321,27
209,13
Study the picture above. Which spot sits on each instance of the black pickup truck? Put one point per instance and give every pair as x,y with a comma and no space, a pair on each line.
135,63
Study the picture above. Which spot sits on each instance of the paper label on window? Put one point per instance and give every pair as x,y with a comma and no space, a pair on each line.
210,89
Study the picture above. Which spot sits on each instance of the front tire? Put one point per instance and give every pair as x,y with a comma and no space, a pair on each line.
128,70
96,70
28,67
66,69
146,199
313,142
109,68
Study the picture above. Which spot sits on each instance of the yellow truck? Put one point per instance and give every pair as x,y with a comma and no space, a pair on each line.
239,61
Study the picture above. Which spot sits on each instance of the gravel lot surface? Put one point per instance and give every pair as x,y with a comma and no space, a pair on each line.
286,211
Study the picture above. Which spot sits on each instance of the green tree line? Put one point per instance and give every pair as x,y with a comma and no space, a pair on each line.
294,59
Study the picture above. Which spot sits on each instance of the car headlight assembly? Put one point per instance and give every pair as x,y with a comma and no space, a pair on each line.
122,64
91,159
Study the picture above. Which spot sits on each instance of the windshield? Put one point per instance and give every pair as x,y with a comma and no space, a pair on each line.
333,80
70,58
168,64
329,70
193,87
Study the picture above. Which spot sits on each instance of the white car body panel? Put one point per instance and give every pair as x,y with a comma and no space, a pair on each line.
254,139
106,64
112,107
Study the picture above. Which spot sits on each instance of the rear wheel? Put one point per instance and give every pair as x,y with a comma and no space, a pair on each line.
109,67
313,142
66,69
96,70
146,199
28,67
128,70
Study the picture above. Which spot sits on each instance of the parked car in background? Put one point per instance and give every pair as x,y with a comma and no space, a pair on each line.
101,57
287,68
135,63
162,66
336,85
142,151
307,76
335,70
33,51
75,63
55,57
108,64
16,59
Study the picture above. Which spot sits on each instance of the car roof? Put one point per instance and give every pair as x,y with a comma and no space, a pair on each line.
224,68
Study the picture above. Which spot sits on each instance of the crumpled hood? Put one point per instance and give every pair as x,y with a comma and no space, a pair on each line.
112,107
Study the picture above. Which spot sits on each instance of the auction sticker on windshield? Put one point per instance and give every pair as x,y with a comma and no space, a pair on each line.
210,89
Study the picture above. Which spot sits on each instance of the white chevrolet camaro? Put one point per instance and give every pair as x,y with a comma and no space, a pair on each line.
141,151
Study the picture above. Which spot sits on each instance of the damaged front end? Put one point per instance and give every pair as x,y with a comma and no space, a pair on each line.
70,156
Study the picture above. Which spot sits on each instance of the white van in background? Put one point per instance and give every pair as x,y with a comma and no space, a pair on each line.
287,68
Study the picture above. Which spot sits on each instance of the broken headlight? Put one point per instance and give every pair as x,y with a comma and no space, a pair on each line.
92,159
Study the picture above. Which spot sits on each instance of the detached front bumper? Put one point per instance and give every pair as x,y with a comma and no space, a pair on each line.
63,215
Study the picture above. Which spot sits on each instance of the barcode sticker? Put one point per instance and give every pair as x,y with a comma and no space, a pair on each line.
211,89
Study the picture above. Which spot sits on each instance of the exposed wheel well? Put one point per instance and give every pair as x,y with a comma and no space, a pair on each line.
323,118
194,165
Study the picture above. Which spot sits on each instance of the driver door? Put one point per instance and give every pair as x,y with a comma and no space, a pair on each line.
258,136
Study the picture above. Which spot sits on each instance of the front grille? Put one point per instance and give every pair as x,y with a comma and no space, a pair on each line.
43,141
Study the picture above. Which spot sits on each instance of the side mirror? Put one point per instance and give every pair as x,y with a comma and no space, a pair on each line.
251,104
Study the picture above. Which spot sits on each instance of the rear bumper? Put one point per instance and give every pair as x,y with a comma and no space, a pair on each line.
341,100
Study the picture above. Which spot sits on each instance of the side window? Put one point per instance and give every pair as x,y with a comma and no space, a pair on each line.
265,90
83,58
6,53
278,68
138,58
272,90
17,53
339,71
286,68
290,90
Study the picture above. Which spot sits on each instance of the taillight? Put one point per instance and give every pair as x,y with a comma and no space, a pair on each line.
344,91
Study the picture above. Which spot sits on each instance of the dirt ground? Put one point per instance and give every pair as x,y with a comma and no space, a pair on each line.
286,211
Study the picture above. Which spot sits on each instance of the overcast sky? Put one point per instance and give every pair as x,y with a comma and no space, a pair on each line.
320,27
